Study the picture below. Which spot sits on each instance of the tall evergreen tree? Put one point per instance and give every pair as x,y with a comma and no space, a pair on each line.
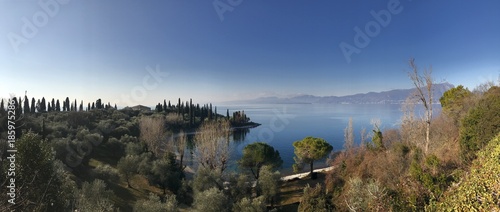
2,107
18,106
169,105
93,106
98,104
191,118
179,107
58,106
88,106
38,106
116,108
33,105
76,105
215,113
53,104
49,107
64,106
165,105
227,114
66,102
81,106
43,105
210,112
26,105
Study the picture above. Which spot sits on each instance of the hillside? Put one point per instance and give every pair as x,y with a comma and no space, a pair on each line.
396,96
480,189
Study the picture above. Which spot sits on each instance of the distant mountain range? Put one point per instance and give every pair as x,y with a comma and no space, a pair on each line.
397,96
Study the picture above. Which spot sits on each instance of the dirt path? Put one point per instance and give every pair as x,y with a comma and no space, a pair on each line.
301,175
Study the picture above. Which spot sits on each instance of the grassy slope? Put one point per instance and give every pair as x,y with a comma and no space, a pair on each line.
124,197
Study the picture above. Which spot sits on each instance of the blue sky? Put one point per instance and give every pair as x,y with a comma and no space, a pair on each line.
101,49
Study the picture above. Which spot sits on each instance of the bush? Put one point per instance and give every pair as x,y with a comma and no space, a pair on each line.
153,204
314,199
94,197
106,172
480,190
128,139
250,205
132,148
480,124
211,200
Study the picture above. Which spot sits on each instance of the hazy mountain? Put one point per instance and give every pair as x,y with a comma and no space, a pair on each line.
397,96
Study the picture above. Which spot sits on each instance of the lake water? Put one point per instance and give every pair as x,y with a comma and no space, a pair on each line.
282,124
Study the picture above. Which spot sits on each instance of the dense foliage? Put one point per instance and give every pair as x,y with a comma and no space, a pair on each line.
259,154
480,189
309,150
480,124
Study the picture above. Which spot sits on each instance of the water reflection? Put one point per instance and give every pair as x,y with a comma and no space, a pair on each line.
240,134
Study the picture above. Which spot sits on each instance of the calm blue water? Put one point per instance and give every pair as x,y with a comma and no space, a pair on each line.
282,124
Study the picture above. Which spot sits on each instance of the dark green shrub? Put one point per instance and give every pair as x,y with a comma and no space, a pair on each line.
480,124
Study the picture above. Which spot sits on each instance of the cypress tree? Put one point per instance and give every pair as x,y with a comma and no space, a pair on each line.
43,105
49,107
98,104
53,104
2,107
227,114
93,106
179,107
191,112
81,106
169,105
58,106
215,113
26,105
38,106
33,105
67,104
210,112
18,108
165,105
88,107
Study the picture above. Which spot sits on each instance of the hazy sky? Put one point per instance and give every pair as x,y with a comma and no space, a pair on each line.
239,49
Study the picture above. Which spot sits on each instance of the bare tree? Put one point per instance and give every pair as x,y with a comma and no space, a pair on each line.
364,135
424,93
411,126
349,137
212,145
152,133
